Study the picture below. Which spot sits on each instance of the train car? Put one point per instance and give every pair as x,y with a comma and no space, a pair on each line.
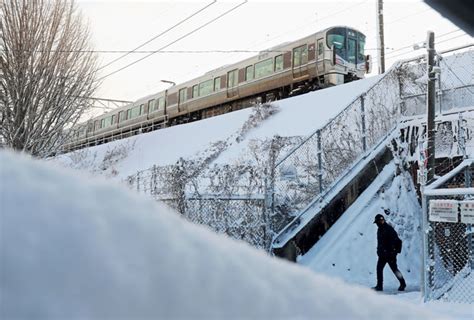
330,57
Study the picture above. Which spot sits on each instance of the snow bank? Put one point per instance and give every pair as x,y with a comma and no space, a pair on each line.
76,248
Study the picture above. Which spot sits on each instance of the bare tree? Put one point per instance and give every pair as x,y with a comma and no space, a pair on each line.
47,72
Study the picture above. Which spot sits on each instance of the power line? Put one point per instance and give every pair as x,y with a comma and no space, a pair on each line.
411,45
410,15
258,43
173,42
159,35
317,20
158,51
403,53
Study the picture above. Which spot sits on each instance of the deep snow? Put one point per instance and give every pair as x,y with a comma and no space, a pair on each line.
75,248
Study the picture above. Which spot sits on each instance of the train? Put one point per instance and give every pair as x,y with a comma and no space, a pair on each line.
333,56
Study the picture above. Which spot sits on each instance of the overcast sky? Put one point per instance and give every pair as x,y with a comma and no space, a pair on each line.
254,26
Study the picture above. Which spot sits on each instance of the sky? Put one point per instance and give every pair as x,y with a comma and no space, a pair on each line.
254,26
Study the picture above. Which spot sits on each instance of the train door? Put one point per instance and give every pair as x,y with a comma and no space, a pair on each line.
182,99
352,50
300,61
320,50
232,83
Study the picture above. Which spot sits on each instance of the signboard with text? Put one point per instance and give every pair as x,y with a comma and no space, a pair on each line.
443,210
467,212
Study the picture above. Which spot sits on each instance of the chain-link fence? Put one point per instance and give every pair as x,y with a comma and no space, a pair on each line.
326,155
228,199
262,198
454,85
448,239
310,170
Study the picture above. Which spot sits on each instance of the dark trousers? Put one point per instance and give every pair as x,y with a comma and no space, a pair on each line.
392,262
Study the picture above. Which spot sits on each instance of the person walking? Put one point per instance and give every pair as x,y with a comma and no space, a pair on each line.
388,246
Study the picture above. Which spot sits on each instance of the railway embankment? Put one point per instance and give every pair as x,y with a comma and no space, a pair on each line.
253,179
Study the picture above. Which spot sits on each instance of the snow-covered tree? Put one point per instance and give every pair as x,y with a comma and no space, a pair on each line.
47,72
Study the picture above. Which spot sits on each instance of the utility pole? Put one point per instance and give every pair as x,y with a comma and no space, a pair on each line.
380,37
430,102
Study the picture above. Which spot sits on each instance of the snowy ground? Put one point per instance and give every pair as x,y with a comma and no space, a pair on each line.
77,248
348,250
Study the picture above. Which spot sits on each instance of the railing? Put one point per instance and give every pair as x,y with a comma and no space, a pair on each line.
315,165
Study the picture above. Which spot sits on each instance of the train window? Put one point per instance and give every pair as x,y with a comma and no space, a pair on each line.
102,123
279,62
142,109
263,68
336,38
90,127
205,88
160,104
81,131
114,117
182,95
232,79
129,114
135,112
351,50
249,73
300,55
217,84
151,105
122,116
107,122
195,91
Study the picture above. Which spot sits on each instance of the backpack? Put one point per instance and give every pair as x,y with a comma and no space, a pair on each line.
398,245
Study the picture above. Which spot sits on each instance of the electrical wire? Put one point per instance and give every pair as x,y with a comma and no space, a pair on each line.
411,46
173,42
404,53
159,35
407,16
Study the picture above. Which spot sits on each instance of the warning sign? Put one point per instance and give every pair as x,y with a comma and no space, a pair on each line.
443,210
467,212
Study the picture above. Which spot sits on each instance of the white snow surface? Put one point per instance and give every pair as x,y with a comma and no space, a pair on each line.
297,116
77,248
348,249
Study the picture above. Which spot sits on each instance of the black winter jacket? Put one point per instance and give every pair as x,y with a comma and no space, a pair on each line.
386,240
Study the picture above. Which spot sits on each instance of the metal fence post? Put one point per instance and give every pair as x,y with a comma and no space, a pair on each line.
138,181
425,263
267,208
364,137
320,162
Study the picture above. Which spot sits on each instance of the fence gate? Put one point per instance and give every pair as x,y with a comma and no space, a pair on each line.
448,207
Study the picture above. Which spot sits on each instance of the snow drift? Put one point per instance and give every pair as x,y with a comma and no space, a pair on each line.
75,248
